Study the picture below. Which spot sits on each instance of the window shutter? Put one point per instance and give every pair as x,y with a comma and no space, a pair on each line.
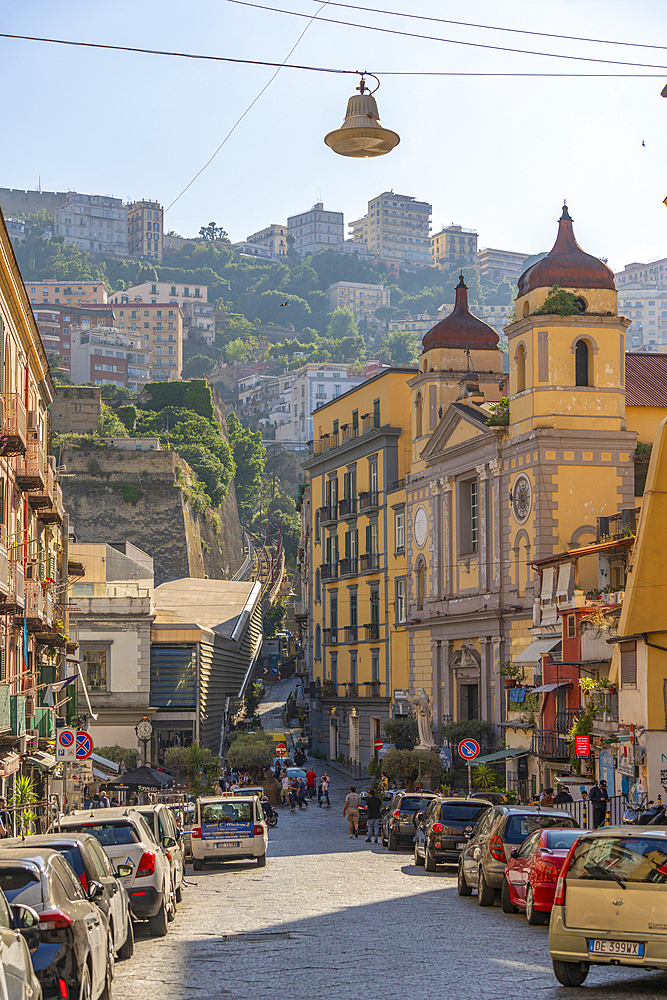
347,544
628,664
368,538
329,549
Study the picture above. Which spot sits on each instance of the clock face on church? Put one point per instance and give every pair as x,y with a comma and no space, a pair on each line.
420,527
522,498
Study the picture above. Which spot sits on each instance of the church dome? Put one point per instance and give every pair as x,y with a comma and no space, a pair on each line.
461,330
567,265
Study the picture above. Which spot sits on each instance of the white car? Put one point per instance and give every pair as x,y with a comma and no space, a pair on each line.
128,840
230,827
17,976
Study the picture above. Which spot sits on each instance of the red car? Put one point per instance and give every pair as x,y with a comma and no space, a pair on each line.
532,873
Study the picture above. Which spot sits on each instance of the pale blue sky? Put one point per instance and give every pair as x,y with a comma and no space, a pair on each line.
495,154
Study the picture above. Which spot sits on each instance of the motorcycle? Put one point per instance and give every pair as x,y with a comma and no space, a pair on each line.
270,814
653,815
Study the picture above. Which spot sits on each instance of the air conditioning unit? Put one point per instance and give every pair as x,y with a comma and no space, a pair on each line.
29,707
33,420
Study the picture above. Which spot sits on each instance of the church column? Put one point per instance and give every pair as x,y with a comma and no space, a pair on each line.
483,474
436,545
498,687
446,517
486,709
447,691
436,684
495,524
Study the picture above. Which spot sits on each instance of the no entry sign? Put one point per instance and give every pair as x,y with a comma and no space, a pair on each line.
84,745
281,750
378,744
469,749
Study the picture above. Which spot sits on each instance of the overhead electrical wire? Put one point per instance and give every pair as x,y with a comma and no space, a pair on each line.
448,41
331,69
496,27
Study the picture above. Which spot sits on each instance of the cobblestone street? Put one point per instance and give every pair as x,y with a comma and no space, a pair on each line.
345,919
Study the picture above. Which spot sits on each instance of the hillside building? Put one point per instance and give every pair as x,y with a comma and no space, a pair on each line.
397,228
360,298
106,355
198,312
15,201
50,291
311,387
94,223
453,248
145,228
316,230
501,265
273,237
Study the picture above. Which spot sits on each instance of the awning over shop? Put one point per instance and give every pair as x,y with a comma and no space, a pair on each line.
501,755
9,762
44,761
536,650
552,687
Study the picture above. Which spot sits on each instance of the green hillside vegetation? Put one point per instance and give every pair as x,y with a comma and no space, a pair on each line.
252,292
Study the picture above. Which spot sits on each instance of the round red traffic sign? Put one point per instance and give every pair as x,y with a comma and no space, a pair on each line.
469,749
66,738
281,750
378,743
84,745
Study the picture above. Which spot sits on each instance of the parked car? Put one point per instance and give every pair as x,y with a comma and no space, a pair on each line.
163,825
229,828
398,820
92,865
183,814
296,772
497,798
17,975
532,873
127,839
498,831
74,957
609,907
443,829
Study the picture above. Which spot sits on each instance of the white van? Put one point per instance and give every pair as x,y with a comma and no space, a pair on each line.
229,827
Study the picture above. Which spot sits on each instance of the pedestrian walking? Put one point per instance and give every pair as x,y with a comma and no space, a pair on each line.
301,794
351,807
599,797
104,800
7,829
292,794
547,797
323,790
218,788
373,813
562,796
284,789
311,779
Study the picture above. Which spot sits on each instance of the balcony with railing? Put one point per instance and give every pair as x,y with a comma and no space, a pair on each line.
4,571
14,430
566,718
328,513
368,500
15,598
348,567
369,422
330,636
31,467
34,606
620,525
349,433
398,484
329,571
369,562
56,512
550,745
372,631
347,507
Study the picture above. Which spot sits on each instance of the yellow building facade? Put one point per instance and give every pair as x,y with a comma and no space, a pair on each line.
356,568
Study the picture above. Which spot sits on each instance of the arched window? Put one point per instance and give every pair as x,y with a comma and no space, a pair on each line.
418,415
520,368
317,524
318,587
318,643
581,363
421,584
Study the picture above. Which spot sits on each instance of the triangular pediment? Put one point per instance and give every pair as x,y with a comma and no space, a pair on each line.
460,423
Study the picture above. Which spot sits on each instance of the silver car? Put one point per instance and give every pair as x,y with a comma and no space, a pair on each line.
161,821
17,976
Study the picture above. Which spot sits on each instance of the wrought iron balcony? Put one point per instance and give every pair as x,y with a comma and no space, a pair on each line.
369,561
368,500
14,431
329,571
549,744
348,567
347,507
330,636
565,719
31,469
372,632
328,513
349,433
351,633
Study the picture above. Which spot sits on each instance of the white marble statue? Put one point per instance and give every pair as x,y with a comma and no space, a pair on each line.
422,708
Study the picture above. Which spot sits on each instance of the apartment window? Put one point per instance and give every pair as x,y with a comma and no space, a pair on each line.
353,609
353,668
355,419
372,538
399,531
318,643
318,586
95,666
373,476
375,606
628,652
571,627
320,390
401,601
469,518
375,664
333,612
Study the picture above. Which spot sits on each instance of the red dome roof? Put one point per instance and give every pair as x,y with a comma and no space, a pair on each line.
567,265
461,329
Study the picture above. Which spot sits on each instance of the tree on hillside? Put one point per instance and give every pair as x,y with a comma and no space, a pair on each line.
342,324
109,425
249,457
199,366
236,351
348,349
399,348
213,233
280,308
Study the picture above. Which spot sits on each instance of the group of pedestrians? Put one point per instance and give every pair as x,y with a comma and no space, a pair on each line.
373,813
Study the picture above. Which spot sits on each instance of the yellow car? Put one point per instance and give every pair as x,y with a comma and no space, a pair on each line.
609,907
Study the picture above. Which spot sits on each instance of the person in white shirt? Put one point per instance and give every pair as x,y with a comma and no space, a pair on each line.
284,789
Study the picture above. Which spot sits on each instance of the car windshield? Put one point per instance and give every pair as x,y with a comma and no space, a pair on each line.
453,814
520,827
110,834
21,885
630,859
561,840
413,804
226,812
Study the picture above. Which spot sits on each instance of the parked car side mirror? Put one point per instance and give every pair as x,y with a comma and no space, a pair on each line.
168,842
417,818
95,889
124,871
26,920
514,853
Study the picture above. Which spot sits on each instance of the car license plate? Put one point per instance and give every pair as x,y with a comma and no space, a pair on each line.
460,845
227,843
629,949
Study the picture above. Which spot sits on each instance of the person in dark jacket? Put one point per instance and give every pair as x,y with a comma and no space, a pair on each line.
373,813
301,793
599,797
562,795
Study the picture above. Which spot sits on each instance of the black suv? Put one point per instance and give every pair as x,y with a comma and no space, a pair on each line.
443,830
398,821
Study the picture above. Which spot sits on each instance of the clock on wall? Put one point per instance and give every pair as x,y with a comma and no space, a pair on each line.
522,498
420,527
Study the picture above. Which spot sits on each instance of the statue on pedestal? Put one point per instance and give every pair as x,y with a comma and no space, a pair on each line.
422,708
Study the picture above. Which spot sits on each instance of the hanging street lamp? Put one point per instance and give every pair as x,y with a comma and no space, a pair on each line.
362,134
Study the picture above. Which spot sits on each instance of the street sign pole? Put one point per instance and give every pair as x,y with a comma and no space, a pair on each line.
65,787
469,779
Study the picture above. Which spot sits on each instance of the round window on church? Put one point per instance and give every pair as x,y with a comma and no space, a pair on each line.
522,498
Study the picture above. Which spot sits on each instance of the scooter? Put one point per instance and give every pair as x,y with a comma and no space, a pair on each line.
654,815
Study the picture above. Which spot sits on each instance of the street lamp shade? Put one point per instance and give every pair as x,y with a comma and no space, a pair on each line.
362,134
